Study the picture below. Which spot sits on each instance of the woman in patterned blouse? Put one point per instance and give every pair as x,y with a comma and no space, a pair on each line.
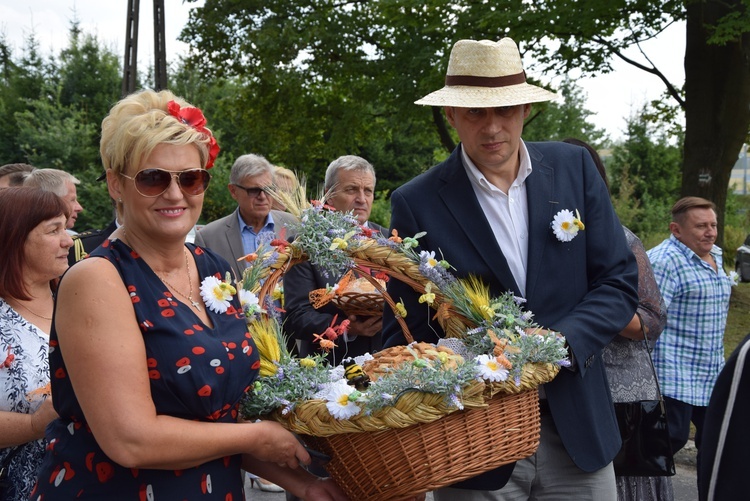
33,255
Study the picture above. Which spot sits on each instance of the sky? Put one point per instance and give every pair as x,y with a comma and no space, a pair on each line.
612,97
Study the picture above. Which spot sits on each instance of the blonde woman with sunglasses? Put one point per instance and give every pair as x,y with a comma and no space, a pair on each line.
147,373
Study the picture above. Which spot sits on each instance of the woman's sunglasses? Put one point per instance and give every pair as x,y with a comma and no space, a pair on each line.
154,182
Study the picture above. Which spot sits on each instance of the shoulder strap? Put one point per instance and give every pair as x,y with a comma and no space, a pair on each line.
650,360
80,251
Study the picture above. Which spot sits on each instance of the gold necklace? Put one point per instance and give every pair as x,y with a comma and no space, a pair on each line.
189,296
30,310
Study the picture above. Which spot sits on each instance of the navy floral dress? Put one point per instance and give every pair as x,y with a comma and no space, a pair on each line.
196,372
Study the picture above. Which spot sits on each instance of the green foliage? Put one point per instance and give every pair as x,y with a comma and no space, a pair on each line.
557,120
98,211
50,114
737,226
303,82
738,319
90,76
651,162
52,136
381,209
627,207
218,202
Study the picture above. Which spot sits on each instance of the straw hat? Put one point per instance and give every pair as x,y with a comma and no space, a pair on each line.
483,74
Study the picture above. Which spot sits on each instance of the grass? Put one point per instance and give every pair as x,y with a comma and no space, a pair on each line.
738,320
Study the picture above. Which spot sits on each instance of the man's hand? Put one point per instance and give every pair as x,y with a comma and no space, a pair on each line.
365,326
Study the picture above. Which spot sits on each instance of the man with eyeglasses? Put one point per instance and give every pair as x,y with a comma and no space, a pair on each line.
237,234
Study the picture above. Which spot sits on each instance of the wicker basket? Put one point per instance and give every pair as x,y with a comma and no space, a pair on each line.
350,298
396,463
420,444
365,304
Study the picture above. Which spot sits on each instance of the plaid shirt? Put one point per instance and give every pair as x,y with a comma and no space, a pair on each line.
689,354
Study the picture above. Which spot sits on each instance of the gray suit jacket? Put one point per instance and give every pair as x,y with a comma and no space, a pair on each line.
223,236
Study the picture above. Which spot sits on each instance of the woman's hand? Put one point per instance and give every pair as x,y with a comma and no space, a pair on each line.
42,417
274,444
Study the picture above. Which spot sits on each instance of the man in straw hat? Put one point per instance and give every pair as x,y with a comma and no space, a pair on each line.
493,209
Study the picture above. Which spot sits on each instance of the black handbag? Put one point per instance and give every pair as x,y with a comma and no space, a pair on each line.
646,448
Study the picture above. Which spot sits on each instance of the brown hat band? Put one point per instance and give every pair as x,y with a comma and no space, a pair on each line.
473,81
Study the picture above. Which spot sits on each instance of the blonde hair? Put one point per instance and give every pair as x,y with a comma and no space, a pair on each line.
139,123
285,174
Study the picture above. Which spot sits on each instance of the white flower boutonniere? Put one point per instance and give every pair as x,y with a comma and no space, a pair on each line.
566,225
734,277
217,294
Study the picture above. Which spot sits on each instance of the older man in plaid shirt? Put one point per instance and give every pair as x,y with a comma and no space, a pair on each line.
690,352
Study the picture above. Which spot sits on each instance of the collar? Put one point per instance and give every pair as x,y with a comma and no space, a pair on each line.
268,223
690,253
478,179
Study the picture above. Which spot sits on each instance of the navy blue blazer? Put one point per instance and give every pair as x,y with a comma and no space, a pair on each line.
586,288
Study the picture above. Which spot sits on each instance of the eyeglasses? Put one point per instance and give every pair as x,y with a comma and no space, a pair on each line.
253,192
154,182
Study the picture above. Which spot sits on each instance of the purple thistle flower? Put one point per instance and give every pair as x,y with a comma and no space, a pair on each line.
387,243
519,300
456,401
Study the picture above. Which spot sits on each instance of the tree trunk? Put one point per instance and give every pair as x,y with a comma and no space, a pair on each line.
717,105
442,127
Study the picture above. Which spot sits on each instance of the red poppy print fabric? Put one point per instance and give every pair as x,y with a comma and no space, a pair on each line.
196,372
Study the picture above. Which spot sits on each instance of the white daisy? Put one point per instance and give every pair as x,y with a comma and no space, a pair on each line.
428,258
490,369
217,294
341,401
566,225
249,302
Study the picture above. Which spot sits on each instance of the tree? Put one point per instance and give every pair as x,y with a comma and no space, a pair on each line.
562,119
644,174
21,80
393,52
646,155
90,77
51,111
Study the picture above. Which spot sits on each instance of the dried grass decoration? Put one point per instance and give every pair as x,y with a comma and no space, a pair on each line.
384,418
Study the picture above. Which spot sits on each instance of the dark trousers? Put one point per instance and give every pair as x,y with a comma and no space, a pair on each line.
679,416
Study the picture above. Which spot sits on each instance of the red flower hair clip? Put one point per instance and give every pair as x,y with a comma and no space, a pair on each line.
195,119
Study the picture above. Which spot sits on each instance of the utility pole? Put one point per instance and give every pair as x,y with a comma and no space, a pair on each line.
129,69
130,62
160,50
